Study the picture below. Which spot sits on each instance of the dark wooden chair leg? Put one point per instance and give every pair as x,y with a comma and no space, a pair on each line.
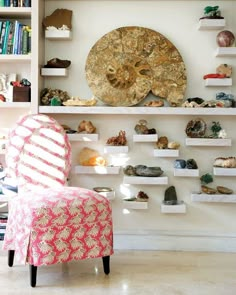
106,264
11,254
33,275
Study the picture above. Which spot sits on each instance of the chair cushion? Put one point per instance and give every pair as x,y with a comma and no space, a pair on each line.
58,225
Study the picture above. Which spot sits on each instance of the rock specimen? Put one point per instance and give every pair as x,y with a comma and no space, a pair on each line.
58,19
119,140
76,101
142,170
180,164
47,94
224,69
229,162
141,127
57,63
191,164
224,190
225,38
170,196
208,190
128,63
90,157
212,12
154,103
173,145
142,197
162,142
86,127
196,128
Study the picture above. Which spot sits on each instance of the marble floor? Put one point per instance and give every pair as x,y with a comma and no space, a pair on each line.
132,272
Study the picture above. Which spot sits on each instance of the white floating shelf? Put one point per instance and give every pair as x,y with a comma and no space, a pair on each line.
135,205
58,34
216,198
109,195
165,153
83,137
5,198
145,180
186,172
179,208
208,141
97,170
116,149
145,137
211,24
218,171
218,82
226,51
58,72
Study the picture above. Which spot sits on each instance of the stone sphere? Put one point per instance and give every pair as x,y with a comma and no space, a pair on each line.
225,39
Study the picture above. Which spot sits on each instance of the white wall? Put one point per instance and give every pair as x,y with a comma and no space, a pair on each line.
177,21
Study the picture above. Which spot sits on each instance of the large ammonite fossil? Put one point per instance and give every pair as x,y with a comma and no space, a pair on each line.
128,63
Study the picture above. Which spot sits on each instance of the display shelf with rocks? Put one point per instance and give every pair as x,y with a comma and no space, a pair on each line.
165,153
173,209
211,24
208,142
83,137
57,72
116,149
101,170
219,171
225,51
218,82
178,172
58,35
161,180
214,198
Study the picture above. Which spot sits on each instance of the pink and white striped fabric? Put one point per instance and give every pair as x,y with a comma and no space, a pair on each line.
48,222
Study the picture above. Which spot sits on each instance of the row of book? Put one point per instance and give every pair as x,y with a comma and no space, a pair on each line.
15,3
3,223
15,37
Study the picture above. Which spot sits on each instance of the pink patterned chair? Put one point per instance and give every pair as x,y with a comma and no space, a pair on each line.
48,221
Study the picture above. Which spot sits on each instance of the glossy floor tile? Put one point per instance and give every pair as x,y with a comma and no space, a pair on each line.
132,272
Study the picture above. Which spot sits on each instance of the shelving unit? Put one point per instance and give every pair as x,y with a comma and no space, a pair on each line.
54,72
58,35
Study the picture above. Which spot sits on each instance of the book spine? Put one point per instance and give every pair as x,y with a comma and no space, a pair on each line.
2,36
5,41
15,3
27,3
7,3
25,40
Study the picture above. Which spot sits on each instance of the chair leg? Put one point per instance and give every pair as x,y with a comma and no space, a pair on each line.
11,254
106,264
33,275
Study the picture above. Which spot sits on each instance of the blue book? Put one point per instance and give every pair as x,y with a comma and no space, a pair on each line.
5,41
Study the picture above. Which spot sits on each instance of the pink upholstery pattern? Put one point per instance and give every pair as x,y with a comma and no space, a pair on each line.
59,225
48,222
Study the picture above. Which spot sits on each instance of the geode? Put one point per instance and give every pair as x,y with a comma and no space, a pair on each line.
196,128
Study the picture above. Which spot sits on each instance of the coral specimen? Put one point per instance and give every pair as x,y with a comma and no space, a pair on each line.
118,140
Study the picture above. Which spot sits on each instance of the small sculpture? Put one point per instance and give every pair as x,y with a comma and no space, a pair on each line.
196,128
141,128
86,127
119,140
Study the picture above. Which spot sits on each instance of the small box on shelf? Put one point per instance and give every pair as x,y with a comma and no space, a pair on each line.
21,94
